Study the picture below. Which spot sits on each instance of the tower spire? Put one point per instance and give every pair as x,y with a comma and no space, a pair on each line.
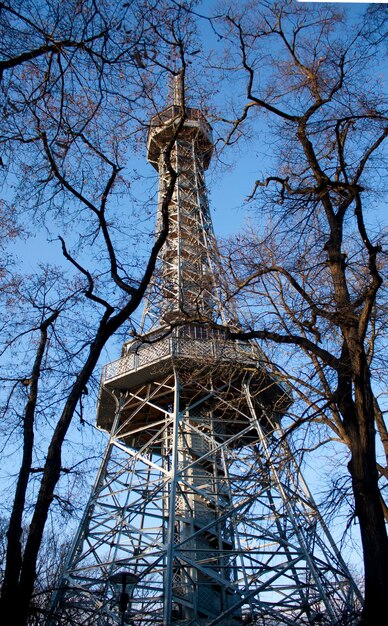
178,99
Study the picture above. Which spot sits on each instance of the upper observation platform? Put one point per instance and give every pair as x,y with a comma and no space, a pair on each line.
163,130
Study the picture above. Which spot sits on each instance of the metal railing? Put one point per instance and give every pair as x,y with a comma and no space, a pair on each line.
212,348
141,356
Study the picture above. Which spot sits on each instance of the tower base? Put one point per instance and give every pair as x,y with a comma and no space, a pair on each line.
199,496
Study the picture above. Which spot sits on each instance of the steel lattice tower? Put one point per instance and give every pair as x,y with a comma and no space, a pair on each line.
198,494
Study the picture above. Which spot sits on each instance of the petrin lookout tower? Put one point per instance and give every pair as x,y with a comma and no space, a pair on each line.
199,514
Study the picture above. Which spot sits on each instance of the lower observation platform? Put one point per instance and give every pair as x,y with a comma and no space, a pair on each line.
195,352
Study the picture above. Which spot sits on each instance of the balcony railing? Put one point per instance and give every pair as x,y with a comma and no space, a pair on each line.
212,348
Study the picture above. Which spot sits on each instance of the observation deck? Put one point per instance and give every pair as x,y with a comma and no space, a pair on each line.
163,128
187,348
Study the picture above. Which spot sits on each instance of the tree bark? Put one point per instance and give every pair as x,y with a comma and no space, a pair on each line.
52,470
357,409
13,563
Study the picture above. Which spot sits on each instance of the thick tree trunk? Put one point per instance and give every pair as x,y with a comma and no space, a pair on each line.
13,562
363,471
50,478
358,412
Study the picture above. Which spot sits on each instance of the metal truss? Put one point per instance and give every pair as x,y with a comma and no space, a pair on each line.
199,496
184,285
198,501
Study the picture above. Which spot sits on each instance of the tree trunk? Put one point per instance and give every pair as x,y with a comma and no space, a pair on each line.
50,478
9,596
363,471
358,412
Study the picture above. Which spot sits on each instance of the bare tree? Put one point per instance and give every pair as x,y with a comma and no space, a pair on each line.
79,84
313,282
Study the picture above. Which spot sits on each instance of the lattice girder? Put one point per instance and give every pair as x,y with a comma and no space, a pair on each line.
184,285
215,529
198,494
